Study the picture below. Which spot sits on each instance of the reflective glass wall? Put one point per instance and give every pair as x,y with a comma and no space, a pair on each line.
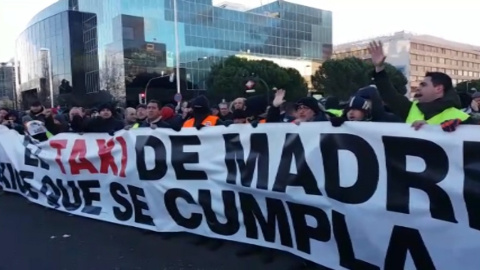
7,81
136,38
51,57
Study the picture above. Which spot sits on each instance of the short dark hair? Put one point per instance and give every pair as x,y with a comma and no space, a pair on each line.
35,103
156,102
440,78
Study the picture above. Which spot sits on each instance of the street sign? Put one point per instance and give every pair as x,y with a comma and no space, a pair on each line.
250,84
178,97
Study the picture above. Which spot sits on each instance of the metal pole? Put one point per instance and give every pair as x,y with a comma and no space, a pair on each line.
50,74
13,77
177,44
148,84
266,86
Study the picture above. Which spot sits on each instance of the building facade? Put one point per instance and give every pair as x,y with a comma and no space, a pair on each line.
7,82
125,44
52,56
417,54
306,68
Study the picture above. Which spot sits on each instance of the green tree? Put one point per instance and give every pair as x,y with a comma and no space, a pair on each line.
343,77
468,86
398,79
227,79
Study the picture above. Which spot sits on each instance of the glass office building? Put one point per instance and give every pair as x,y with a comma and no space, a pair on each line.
51,56
129,42
7,81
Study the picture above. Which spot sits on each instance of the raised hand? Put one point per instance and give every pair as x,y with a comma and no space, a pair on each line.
375,49
279,98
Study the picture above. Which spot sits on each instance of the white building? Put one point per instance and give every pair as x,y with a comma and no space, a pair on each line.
416,54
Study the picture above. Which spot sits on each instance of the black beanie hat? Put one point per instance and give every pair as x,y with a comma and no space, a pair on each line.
309,102
108,106
201,102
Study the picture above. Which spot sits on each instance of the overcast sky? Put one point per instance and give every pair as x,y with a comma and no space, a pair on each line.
352,19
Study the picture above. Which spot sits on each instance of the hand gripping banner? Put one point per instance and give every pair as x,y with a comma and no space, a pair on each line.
362,196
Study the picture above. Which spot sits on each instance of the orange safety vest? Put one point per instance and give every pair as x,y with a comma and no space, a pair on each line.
208,121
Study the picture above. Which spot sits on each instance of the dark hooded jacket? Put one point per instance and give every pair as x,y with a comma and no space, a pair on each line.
101,125
378,112
400,104
255,108
168,120
200,111
274,115
15,124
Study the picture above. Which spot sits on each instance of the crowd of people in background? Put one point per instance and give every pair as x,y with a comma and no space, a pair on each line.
435,103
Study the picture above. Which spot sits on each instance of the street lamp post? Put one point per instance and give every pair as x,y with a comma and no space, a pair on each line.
256,78
50,74
177,45
172,76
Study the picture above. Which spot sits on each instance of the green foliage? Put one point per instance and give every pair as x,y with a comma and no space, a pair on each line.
468,86
227,79
343,77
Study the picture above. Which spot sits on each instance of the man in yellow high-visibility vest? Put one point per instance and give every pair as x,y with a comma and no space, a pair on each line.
436,102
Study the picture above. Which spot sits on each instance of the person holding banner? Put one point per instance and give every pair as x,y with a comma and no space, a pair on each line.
307,109
202,116
158,117
255,109
358,109
436,102
106,122
365,105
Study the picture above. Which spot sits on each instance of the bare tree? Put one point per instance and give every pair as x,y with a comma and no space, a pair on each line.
6,102
112,77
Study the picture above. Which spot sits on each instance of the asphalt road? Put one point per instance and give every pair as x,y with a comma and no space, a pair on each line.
32,238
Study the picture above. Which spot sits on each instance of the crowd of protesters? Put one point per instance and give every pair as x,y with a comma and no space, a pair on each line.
435,102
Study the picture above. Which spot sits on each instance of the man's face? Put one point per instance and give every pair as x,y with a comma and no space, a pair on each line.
105,113
3,114
427,92
141,113
238,104
215,111
355,115
131,115
153,112
224,109
35,109
304,113
75,111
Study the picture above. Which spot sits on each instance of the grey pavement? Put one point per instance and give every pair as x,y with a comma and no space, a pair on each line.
35,238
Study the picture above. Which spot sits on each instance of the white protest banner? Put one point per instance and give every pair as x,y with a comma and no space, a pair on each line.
363,196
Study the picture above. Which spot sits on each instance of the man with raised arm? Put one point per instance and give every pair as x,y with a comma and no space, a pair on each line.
436,102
